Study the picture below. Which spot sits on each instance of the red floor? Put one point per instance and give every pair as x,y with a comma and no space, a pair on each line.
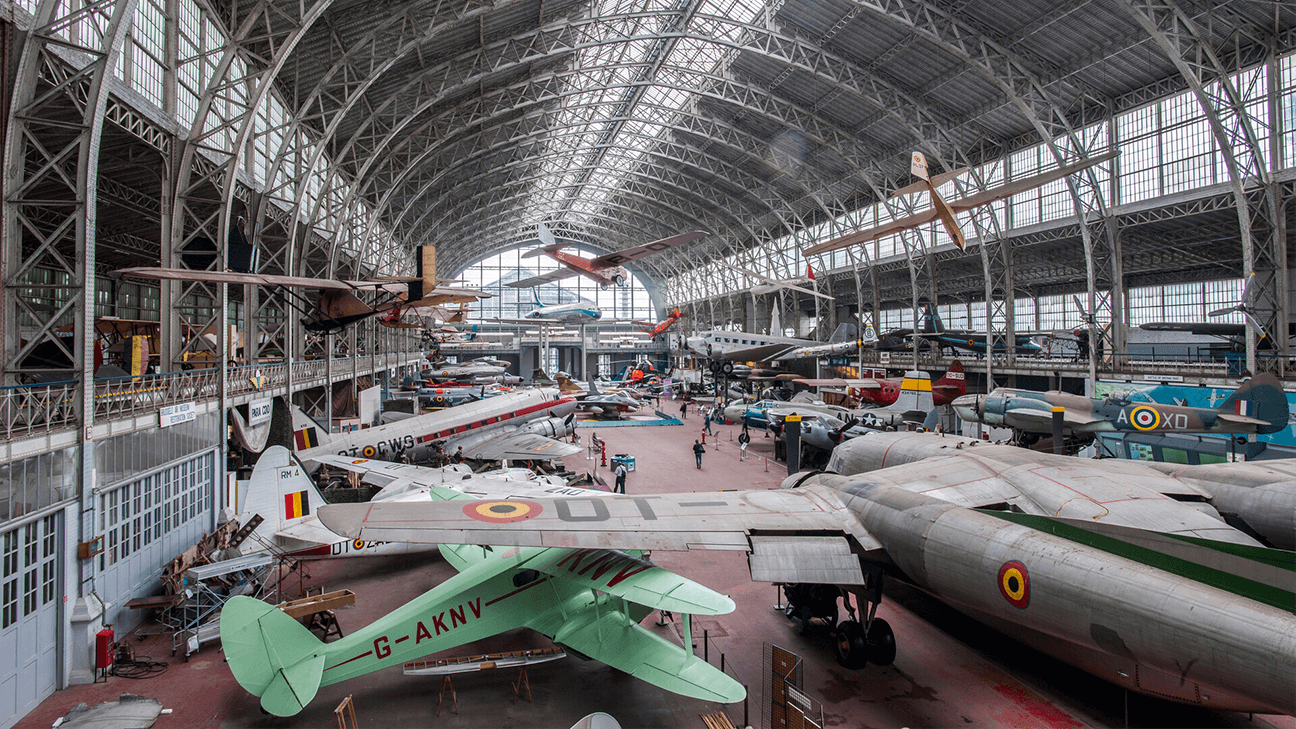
950,671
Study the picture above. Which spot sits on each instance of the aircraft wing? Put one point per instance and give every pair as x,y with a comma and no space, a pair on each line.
1042,419
515,446
258,279
633,254
1207,328
679,521
544,278
756,354
613,638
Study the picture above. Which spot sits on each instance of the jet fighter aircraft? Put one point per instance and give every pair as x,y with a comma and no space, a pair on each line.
1258,406
590,601
605,270
1100,564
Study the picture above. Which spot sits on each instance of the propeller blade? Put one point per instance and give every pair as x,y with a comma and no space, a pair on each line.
1246,287
1255,324
1080,306
1229,310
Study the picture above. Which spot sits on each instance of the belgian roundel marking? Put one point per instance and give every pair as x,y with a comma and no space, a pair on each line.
358,545
369,451
1145,418
1014,583
502,512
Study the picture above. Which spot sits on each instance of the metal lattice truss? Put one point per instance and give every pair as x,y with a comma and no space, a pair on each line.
344,133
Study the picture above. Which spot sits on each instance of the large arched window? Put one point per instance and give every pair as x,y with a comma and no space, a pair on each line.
493,273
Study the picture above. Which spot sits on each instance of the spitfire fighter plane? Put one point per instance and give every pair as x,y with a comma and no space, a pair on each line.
589,601
1258,406
1111,566
605,270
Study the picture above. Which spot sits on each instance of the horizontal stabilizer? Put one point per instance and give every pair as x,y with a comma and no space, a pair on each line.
632,578
271,655
614,639
1242,420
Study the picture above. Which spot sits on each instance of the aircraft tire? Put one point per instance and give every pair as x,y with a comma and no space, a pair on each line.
743,437
800,616
881,642
714,367
727,368
620,280
852,645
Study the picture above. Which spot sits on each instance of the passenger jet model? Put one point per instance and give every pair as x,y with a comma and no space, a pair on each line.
605,270
1112,566
945,211
590,601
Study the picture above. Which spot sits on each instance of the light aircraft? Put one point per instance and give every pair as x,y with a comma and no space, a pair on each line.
605,270
774,284
338,304
884,392
945,211
590,601
1110,566
1258,406
656,330
513,426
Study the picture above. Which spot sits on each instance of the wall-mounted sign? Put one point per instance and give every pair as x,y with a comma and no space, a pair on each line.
259,411
176,414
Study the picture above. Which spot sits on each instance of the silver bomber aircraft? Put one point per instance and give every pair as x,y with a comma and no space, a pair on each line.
1112,566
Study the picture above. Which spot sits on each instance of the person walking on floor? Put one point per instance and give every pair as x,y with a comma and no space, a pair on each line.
707,414
684,410
620,473
698,450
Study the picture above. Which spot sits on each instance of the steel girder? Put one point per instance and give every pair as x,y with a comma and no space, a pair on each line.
1260,216
51,184
207,179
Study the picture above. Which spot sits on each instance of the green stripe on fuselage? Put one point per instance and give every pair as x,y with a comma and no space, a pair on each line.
1251,589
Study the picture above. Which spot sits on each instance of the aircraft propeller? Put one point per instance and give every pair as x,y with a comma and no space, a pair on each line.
1243,306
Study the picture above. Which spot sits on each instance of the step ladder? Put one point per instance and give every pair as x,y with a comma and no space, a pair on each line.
245,531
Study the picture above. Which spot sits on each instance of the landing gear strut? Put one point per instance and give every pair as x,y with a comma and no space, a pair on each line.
863,637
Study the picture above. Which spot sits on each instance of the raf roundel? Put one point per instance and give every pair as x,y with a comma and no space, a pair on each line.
502,512
1145,418
1014,583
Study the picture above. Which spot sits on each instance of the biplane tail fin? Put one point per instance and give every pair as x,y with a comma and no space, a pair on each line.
425,269
271,655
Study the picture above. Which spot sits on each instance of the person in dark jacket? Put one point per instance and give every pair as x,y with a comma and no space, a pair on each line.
698,450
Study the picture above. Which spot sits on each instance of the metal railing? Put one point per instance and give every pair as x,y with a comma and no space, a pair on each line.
1109,365
27,410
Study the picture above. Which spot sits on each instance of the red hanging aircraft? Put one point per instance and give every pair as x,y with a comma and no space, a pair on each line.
656,330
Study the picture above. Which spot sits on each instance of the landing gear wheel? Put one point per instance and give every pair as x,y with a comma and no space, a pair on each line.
714,367
800,616
852,645
881,642
727,368
620,280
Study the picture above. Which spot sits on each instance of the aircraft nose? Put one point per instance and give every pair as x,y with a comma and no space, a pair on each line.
967,407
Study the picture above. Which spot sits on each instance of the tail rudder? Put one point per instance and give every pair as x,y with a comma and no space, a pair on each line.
280,491
535,293
1260,397
931,321
951,385
870,336
918,166
844,332
307,433
271,655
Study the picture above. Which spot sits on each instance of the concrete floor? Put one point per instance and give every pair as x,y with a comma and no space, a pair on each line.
950,671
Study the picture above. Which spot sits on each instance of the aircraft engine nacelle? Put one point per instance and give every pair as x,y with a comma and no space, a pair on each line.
551,427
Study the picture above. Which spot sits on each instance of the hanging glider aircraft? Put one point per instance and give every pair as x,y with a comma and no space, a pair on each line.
590,601
1258,406
338,304
945,211
605,270
517,425
1111,566
774,284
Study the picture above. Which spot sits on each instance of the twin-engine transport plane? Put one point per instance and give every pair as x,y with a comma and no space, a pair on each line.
1111,565
514,426
606,270
589,601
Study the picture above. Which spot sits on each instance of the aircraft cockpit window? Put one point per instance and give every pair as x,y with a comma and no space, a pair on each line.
525,577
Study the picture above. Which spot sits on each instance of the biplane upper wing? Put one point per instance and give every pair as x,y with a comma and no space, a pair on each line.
647,249
390,285
543,278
